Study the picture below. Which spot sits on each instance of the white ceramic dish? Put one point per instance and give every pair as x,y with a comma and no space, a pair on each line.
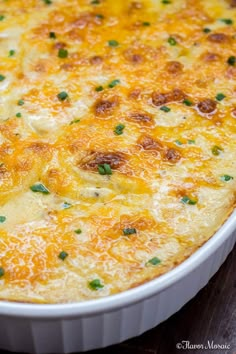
67,328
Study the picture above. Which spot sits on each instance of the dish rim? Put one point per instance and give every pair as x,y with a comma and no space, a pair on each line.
124,298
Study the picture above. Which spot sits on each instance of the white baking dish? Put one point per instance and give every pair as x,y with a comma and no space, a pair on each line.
66,328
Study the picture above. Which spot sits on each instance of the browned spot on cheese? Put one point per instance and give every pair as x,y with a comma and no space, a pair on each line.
105,107
208,57
60,45
134,94
96,60
218,38
148,143
114,159
207,106
133,57
159,99
172,155
141,117
174,67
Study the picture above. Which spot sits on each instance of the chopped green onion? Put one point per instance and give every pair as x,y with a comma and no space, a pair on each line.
18,115
95,2
2,17
2,219
166,2
62,53
178,142
187,200
165,109
146,24
187,102
114,83
231,60
78,231
206,30
129,231
39,188
2,272
105,169
227,21
191,142
100,16
63,255
226,178
11,53
220,96
21,102
154,261
52,35
172,41
216,150
99,88
119,129
62,96
74,121
66,205
113,43
47,2
96,284
2,77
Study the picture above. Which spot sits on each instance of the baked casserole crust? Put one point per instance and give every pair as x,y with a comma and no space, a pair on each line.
117,141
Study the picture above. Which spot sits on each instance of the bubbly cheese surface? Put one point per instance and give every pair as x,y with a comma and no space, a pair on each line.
117,141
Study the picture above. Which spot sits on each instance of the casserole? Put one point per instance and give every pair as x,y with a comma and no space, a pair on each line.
67,328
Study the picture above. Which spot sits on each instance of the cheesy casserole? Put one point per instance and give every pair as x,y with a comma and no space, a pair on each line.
117,141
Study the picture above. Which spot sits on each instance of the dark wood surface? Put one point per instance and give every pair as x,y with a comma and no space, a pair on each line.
210,316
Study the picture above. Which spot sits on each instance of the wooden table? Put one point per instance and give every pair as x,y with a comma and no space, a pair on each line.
211,315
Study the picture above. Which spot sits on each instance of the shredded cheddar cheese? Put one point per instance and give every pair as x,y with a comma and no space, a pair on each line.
117,141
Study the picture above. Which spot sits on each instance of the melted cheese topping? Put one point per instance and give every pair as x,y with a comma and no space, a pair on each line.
140,84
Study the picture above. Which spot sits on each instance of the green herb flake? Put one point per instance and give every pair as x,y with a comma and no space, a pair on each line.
96,284
216,150
62,96
220,97
146,24
113,43
2,272
191,142
95,2
154,261
104,169
52,35
166,2
119,129
226,178
206,30
47,2
129,231
187,102
2,77
11,53
2,17
2,219
74,121
21,102
113,83
99,88
39,188
165,109
232,60
62,53
172,41
66,205
100,16
63,255
187,200
178,142
18,115
78,231
227,21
